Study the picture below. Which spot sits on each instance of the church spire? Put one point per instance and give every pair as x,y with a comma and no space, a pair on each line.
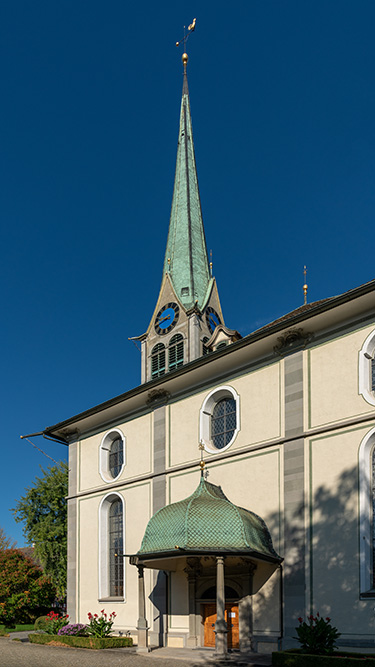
186,259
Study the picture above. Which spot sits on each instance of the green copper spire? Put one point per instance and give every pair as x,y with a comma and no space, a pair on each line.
186,258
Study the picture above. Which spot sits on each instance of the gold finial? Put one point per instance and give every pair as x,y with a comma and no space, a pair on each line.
183,41
211,262
202,464
305,286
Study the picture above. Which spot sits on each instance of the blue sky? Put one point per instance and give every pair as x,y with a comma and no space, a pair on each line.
283,106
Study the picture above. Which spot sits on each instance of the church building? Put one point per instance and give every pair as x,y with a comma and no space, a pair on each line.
232,491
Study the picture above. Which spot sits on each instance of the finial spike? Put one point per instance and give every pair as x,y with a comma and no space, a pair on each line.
183,41
304,286
211,262
201,463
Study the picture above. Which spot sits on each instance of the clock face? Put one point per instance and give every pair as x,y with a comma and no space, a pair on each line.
166,318
212,319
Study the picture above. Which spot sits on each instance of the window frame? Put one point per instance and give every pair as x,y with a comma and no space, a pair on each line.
104,557
104,454
178,337
366,516
366,360
206,412
161,349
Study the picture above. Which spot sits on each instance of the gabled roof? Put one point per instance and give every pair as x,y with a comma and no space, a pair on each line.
186,258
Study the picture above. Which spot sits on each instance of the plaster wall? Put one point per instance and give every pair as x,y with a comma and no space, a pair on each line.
334,533
260,395
332,380
138,453
137,508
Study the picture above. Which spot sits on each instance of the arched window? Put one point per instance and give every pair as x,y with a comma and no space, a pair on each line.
112,455
111,547
367,514
116,549
219,419
158,360
367,369
176,352
223,422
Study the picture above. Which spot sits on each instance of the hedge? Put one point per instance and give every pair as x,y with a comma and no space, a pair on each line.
82,642
340,659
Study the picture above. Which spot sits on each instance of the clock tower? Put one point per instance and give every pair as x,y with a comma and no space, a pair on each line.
188,308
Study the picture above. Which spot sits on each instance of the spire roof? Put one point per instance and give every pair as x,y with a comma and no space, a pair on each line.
186,258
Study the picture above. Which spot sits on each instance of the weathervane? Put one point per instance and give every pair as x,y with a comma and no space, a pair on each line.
185,38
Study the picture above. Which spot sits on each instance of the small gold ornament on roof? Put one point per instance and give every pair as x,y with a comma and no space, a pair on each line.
304,287
183,41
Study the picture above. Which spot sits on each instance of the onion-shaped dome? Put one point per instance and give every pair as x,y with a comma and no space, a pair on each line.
207,522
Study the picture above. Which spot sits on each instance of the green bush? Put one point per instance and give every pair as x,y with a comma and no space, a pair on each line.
40,623
83,642
317,636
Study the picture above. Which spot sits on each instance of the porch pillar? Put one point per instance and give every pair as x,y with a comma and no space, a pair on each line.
221,630
142,626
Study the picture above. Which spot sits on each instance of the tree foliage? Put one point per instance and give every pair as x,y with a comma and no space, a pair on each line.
43,509
5,542
25,592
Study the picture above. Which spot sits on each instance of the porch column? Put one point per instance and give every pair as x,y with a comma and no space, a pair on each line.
142,626
221,629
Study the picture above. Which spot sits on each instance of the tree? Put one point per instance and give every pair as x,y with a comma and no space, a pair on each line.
43,509
5,542
25,592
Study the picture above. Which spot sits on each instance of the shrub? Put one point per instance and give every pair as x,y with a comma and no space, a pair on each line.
24,591
54,622
40,623
73,629
83,642
100,626
318,636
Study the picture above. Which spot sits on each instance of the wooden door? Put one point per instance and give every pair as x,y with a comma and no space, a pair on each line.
209,624
232,620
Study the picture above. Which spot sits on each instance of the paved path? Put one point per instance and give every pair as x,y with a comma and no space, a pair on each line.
23,654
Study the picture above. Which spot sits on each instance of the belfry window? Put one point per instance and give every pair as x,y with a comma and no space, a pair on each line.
158,360
223,422
116,549
205,349
176,352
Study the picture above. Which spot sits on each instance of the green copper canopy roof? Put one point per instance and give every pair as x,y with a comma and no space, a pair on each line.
207,522
186,247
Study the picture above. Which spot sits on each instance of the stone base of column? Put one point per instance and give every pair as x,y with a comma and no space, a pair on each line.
143,646
221,643
192,642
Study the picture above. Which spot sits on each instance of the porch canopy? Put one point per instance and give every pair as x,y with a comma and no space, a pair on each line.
204,531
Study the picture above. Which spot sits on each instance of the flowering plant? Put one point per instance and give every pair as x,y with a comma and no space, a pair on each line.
54,622
317,636
75,629
100,626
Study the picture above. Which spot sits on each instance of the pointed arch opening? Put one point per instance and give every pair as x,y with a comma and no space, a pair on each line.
111,547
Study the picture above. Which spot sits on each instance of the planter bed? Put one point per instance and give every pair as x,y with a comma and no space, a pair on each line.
294,658
82,642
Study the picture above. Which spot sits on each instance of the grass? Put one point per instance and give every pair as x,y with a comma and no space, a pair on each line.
21,627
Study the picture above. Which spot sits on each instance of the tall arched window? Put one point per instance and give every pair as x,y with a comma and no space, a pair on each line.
176,352
223,422
367,514
111,547
158,360
116,549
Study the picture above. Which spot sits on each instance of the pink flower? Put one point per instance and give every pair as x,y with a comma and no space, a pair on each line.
95,615
300,619
328,619
102,611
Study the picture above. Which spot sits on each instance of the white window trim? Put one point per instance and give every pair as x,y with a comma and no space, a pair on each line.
206,413
365,512
104,584
105,444
366,354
